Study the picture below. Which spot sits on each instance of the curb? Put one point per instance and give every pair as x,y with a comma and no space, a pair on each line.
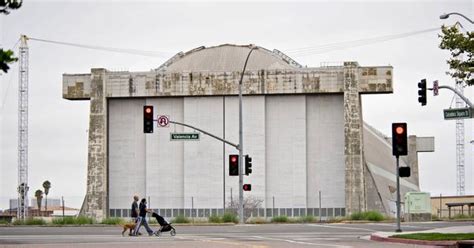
417,242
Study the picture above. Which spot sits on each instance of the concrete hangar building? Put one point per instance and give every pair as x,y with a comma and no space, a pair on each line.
303,128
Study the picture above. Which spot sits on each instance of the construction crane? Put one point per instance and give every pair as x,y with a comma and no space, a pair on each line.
22,208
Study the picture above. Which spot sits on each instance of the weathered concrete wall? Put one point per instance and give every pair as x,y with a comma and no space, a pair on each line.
305,81
353,145
95,203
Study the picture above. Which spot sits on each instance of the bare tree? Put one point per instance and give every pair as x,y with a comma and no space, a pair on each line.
251,203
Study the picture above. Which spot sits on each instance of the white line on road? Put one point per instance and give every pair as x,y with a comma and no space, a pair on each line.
343,227
302,242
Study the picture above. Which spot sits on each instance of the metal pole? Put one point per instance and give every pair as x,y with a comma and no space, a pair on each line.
320,214
192,208
62,199
241,144
223,153
398,198
440,207
273,209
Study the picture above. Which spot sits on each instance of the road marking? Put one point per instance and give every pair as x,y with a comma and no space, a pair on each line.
393,225
343,227
302,242
213,240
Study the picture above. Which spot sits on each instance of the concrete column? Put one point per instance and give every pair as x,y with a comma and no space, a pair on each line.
95,202
355,194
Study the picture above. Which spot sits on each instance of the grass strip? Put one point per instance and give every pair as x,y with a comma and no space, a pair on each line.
436,236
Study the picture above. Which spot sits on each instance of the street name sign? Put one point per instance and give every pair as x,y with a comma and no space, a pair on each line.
459,113
184,136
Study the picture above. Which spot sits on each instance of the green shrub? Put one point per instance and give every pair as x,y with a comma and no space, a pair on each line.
461,216
374,216
84,220
369,215
280,219
112,221
215,219
306,219
68,220
336,219
30,221
357,216
230,217
4,222
256,220
153,221
180,219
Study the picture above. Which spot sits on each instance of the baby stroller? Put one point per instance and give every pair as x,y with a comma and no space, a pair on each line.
164,225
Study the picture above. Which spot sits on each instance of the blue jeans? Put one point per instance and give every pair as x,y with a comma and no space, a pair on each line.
142,221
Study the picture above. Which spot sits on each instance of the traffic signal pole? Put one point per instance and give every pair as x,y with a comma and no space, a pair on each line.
241,143
457,93
399,229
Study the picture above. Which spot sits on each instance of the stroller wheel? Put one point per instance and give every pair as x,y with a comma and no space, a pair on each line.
158,233
173,232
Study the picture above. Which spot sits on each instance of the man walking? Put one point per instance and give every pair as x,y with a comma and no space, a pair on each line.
142,218
134,211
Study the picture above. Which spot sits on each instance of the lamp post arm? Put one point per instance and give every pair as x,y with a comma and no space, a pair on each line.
457,93
459,14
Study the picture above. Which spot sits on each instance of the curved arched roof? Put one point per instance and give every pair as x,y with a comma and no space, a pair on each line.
229,58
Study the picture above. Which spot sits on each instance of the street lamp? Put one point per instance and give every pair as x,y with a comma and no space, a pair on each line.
241,142
445,16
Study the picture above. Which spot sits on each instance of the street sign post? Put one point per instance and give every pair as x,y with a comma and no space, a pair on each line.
458,113
184,136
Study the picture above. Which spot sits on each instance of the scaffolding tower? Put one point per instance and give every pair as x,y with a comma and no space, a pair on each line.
460,144
22,209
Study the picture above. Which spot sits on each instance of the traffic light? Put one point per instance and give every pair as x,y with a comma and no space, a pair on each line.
247,187
248,165
148,119
399,139
233,165
422,92
404,171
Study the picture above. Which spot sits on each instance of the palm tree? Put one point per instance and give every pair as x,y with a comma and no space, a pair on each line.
46,186
39,197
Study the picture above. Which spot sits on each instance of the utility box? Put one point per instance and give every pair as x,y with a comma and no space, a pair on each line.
417,206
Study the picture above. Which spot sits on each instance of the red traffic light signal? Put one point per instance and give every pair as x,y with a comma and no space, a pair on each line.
399,139
148,119
247,187
233,165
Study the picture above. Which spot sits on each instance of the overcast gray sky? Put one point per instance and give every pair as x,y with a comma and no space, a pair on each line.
58,127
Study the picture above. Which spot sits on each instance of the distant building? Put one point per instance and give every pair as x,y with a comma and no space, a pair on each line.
460,205
14,203
52,202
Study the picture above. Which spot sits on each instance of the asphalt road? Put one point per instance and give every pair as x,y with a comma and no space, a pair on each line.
258,236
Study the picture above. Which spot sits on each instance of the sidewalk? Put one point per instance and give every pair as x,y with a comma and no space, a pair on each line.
385,237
